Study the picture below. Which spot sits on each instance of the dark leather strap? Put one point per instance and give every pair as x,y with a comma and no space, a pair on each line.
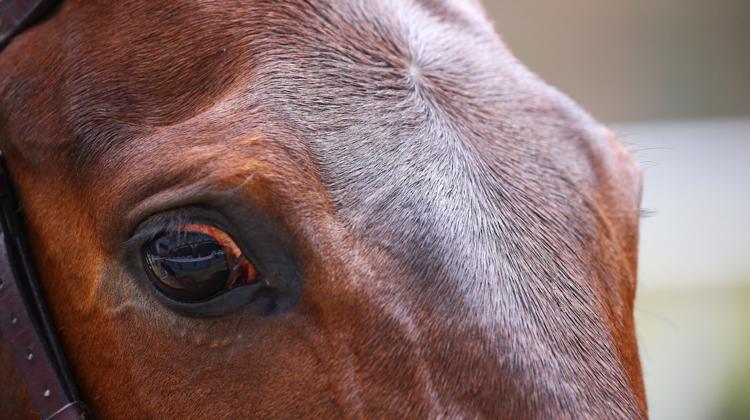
16,15
24,321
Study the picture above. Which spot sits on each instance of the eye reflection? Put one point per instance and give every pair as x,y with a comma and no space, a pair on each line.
196,262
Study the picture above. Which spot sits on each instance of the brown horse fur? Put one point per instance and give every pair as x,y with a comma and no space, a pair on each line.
463,237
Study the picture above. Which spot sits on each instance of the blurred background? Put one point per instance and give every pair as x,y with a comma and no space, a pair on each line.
672,77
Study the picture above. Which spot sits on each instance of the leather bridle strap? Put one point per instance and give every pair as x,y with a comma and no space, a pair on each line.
17,15
24,321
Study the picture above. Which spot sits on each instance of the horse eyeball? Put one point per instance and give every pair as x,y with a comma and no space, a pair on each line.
196,262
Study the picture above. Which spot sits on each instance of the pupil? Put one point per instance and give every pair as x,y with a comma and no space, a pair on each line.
187,265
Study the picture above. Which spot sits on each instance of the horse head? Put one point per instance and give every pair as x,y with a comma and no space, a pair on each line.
319,209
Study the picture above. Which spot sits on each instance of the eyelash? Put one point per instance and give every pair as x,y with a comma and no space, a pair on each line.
164,223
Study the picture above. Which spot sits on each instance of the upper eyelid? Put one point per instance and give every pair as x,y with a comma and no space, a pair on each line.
166,222
203,193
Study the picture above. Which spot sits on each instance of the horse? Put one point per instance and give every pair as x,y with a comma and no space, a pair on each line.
318,209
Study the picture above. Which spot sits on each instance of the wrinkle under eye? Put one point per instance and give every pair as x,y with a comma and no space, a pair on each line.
196,262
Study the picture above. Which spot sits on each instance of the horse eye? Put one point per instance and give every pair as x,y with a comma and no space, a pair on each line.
196,263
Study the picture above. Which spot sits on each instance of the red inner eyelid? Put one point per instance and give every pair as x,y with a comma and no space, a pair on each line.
230,248
242,270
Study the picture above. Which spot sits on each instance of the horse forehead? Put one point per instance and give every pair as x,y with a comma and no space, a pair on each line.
411,118
123,79
416,122
418,132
